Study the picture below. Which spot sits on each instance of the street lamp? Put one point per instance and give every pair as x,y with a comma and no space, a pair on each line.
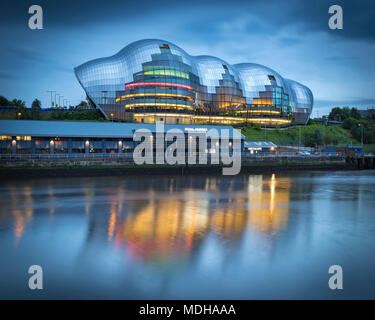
361,126
57,101
60,96
51,96
112,117
19,114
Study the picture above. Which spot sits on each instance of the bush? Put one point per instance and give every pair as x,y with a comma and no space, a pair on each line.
349,123
312,139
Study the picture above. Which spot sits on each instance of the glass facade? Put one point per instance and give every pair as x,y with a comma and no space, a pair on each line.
152,80
302,99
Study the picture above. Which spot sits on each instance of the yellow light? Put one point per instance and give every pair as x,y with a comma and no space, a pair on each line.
24,138
220,119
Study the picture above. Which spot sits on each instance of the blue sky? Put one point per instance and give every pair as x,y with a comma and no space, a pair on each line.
291,37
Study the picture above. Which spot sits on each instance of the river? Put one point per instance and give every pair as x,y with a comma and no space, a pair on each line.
253,236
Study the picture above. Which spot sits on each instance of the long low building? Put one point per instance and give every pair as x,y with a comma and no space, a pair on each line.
255,147
68,137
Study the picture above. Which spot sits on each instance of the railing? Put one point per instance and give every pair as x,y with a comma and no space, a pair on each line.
66,156
244,156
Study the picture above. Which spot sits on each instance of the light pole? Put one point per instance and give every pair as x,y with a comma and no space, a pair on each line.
57,102
361,127
56,94
60,96
19,114
299,138
112,117
51,96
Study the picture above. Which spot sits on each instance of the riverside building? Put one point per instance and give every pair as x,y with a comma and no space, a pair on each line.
155,80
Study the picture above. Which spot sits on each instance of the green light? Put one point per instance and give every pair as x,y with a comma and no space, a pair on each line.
166,72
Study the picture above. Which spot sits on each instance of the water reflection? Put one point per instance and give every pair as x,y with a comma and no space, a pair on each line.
202,229
157,226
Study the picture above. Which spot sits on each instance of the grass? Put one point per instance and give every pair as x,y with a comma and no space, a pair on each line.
290,136
369,148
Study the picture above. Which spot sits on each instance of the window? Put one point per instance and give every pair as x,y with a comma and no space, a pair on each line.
23,138
271,77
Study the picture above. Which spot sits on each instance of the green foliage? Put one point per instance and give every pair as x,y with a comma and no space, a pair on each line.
312,139
4,102
83,104
349,123
361,128
340,114
35,109
311,135
311,122
257,126
83,115
354,113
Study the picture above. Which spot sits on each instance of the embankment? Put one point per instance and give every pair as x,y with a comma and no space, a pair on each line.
22,168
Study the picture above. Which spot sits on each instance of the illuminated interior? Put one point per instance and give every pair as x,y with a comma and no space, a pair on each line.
155,76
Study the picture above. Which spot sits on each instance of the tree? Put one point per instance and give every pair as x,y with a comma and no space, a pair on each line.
82,105
35,109
313,139
345,113
349,123
4,102
354,113
335,114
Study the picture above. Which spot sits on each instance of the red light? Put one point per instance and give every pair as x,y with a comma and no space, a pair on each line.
169,84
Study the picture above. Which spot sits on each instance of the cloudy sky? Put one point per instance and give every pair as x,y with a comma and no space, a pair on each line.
289,36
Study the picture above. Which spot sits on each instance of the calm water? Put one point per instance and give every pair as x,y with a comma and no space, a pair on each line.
242,237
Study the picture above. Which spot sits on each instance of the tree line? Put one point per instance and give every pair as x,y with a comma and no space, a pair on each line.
37,113
361,127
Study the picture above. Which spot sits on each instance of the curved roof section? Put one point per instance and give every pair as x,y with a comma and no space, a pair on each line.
254,77
211,70
122,65
301,95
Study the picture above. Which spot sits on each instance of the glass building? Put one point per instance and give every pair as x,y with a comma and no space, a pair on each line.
155,80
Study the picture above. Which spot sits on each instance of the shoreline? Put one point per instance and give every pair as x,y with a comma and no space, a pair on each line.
88,171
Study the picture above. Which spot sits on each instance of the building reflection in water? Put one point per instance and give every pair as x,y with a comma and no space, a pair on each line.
24,214
165,228
163,219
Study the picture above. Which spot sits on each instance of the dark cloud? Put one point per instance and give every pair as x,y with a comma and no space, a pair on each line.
359,22
237,31
7,75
